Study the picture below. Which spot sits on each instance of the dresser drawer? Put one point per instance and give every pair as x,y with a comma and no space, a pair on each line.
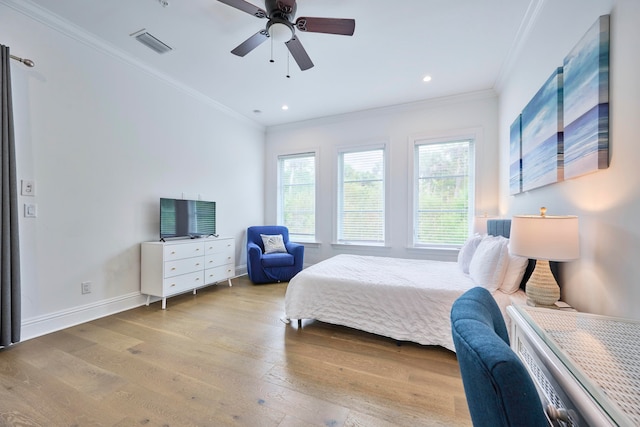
218,274
183,266
185,282
213,246
186,250
218,259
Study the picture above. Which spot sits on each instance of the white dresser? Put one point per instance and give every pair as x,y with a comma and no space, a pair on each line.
585,366
178,266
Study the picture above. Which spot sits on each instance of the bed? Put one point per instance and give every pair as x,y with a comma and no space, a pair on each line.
406,299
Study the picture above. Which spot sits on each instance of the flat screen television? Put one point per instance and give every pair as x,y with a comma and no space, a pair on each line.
187,218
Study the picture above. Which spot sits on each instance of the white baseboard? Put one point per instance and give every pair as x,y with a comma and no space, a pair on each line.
52,322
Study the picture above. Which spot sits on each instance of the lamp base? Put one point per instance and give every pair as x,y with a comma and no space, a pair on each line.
533,304
542,289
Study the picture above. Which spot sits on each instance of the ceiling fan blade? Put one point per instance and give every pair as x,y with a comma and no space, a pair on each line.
246,7
344,27
251,43
299,54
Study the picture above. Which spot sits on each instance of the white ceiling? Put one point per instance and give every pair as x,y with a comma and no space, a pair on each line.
465,45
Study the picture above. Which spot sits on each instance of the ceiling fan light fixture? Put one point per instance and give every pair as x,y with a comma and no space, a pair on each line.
280,32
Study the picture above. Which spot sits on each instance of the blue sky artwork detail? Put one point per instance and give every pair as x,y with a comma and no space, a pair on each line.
586,102
515,162
542,135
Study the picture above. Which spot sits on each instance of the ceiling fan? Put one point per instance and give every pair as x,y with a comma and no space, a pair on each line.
280,14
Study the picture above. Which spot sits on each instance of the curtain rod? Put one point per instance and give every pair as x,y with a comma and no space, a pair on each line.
25,61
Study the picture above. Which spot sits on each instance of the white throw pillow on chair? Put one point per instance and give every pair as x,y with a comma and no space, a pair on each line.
273,243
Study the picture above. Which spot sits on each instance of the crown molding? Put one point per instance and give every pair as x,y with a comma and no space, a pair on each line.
522,36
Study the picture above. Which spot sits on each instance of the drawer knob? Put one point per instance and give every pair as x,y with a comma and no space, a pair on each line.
557,414
173,268
172,285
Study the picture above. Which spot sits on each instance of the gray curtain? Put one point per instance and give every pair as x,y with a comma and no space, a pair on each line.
10,316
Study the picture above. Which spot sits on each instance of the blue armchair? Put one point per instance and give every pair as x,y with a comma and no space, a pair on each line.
272,267
498,387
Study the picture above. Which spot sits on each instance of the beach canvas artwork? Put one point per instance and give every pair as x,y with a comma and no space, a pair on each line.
586,103
542,135
515,155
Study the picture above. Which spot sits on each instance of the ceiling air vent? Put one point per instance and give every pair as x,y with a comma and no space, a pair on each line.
151,42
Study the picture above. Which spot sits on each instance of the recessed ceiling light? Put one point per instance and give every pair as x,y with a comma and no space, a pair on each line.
426,78
285,107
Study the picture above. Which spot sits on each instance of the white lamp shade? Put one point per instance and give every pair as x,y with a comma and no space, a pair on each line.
552,238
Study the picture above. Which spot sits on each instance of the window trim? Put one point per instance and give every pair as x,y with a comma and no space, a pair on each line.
299,153
474,135
385,147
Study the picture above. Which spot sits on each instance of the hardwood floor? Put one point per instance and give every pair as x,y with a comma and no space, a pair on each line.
224,358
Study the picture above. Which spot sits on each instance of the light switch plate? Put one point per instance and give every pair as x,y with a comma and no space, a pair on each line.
28,188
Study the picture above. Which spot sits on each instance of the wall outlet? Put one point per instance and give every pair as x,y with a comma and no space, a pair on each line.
30,210
86,287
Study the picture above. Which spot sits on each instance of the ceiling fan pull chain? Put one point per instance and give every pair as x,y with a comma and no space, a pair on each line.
288,76
271,60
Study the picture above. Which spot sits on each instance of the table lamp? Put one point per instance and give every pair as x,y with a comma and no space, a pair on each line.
544,238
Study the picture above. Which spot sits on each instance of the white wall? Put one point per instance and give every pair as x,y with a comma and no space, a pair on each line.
104,140
394,126
605,279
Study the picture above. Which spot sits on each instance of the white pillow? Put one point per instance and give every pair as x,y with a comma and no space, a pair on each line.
489,262
514,273
466,252
273,243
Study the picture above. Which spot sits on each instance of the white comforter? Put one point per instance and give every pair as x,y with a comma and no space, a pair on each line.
404,299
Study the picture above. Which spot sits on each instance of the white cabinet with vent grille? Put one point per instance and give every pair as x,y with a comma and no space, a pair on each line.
178,266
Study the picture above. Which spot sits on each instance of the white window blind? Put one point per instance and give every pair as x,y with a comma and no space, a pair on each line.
443,192
297,195
361,198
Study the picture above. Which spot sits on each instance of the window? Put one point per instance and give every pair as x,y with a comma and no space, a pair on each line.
297,195
361,198
443,192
